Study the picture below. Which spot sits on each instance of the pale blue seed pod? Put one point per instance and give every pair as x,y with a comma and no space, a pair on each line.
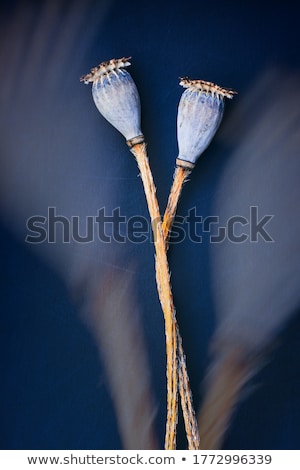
116,97
200,112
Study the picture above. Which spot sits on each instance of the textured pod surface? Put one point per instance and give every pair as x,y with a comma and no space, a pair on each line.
116,96
200,112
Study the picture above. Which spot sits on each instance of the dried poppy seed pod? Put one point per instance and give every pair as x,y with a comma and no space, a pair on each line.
117,98
199,115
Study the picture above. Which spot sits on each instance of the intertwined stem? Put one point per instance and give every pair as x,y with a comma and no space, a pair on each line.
165,294
191,427
174,346
190,421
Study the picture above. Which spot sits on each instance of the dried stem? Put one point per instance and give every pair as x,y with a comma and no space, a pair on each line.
190,421
180,176
161,261
165,294
191,427
227,376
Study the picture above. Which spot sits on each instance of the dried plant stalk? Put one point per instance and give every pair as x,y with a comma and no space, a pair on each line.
190,421
161,260
180,176
165,294
191,427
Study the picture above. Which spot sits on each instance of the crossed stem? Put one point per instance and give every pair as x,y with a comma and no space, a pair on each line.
177,375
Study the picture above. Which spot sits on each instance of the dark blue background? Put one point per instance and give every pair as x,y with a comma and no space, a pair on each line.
54,392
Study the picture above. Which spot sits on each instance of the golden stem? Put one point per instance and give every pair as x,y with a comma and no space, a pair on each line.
180,176
190,421
185,392
164,292
191,427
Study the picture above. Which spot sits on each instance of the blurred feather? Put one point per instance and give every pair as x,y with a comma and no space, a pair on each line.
113,316
255,283
46,162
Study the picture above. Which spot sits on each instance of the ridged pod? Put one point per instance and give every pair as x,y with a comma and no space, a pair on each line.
200,112
116,96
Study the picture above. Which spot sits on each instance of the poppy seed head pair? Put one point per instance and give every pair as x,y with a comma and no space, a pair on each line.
200,109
